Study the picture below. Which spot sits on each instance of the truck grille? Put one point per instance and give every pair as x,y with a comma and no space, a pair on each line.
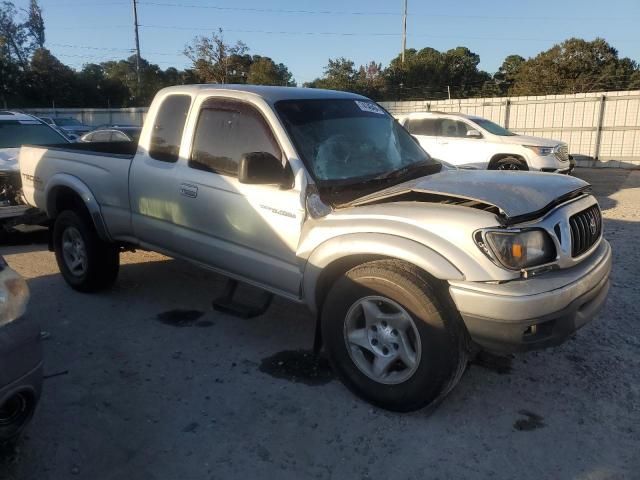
586,227
562,153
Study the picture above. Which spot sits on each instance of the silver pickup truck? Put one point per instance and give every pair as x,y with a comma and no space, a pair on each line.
321,197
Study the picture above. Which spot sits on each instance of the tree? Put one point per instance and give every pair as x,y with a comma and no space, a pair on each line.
264,71
10,77
48,80
574,66
506,75
427,73
214,60
34,24
13,36
339,74
370,80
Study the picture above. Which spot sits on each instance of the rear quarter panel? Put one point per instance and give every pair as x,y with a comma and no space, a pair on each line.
106,177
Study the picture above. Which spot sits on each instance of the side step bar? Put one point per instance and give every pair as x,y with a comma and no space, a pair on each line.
226,304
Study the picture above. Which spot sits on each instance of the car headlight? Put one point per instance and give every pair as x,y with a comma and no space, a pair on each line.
518,250
541,151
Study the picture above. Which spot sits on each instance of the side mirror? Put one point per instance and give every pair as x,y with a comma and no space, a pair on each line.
261,168
472,133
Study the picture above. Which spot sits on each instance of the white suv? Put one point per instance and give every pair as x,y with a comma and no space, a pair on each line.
475,142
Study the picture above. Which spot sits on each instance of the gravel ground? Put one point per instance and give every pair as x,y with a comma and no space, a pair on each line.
155,385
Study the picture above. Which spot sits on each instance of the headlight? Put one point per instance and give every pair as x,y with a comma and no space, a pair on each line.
541,151
518,250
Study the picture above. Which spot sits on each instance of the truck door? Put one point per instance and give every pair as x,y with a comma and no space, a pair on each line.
459,149
248,230
153,192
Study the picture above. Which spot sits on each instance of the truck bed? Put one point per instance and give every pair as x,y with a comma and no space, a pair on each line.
101,169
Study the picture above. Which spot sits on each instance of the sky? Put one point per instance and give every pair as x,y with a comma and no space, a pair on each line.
305,34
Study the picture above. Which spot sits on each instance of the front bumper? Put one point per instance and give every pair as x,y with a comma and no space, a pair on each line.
534,313
548,163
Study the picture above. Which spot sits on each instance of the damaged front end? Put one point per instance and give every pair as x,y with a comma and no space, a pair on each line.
10,189
11,202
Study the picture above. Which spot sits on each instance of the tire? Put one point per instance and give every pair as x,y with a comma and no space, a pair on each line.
88,264
417,352
15,415
511,163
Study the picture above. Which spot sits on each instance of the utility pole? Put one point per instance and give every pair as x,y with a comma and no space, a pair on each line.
404,30
135,24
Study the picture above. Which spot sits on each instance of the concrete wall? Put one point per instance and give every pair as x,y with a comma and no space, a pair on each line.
95,116
601,128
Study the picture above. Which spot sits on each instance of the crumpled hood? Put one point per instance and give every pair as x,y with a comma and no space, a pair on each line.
517,195
9,159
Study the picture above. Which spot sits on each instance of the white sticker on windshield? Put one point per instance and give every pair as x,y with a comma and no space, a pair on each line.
369,107
29,122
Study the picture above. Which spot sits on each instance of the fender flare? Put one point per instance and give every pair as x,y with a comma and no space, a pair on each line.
84,192
391,246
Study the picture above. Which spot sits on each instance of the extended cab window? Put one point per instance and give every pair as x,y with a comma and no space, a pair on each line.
423,126
168,127
227,130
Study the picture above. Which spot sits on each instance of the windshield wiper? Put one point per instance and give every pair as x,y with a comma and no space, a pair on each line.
426,165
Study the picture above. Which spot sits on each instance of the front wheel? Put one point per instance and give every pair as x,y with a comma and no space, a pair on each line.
390,339
87,263
511,163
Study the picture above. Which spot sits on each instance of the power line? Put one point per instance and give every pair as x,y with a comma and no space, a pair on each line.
269,10
563,19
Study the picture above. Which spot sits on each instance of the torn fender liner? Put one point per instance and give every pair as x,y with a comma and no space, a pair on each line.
518,196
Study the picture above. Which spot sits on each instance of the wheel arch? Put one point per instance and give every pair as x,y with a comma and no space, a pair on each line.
338,255
66,192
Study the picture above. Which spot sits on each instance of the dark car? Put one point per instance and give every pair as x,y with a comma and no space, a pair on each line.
70,126
129,133
20,357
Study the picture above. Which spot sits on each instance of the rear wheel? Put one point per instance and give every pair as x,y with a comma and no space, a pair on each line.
87,263
511,163
390,339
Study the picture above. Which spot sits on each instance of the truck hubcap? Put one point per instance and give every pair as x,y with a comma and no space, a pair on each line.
74,251
382,340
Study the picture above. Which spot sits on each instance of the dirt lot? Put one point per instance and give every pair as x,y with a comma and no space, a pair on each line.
155,385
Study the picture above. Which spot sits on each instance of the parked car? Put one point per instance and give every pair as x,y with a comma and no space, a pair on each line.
113,134
321,197
17,129
20,357
69,125
475,142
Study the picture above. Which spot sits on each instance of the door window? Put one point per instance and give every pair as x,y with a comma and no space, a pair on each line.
103,136
453,128
119,137
168,127
226,131
423,126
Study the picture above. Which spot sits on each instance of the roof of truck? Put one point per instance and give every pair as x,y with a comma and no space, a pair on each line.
269,93
6,115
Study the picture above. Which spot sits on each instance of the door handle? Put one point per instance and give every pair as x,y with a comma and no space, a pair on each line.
188,190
